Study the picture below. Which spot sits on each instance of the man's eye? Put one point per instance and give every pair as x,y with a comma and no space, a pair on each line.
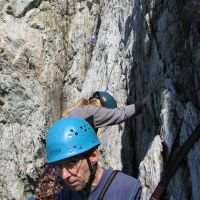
57,167
71,164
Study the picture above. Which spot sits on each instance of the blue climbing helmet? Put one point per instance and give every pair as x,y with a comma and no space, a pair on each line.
105,98
70,137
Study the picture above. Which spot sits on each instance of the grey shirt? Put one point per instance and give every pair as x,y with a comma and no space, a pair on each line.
100,116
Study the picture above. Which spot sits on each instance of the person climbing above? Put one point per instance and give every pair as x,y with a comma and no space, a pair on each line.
93,42
101,110
72,150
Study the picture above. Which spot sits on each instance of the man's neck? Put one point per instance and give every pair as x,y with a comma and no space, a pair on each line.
99,174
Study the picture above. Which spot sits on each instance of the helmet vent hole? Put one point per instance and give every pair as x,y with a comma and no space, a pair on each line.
71,130
74,146
76,133
85,130
81,127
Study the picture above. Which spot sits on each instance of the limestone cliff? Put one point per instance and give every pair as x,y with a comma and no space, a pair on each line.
47,62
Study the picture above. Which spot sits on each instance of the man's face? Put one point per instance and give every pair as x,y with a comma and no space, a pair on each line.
75,172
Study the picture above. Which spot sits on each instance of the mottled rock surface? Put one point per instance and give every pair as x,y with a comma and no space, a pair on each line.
47,62
151,167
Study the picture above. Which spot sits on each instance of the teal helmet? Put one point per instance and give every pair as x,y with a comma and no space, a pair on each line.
69,137
105,98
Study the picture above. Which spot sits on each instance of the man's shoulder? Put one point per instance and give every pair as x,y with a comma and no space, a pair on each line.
124,187
67,193
125,180
63,194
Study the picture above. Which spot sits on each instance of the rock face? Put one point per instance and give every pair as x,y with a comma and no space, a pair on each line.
151,167
47,62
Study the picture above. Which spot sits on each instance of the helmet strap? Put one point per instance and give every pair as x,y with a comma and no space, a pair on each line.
93,169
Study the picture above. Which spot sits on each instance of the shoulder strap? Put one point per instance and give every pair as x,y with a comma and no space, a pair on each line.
107,184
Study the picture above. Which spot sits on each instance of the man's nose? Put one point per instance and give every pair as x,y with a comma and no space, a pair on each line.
65,174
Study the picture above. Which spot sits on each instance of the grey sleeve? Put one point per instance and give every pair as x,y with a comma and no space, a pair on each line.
100,117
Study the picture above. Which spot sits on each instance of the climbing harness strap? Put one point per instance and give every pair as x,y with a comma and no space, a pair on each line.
107,184
173,164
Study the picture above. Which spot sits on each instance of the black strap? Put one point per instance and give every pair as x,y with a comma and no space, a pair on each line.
107,184
173,164
88,185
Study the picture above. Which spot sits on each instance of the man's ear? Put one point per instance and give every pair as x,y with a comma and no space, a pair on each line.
94,156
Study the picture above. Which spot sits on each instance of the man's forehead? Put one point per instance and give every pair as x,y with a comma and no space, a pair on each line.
74,158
